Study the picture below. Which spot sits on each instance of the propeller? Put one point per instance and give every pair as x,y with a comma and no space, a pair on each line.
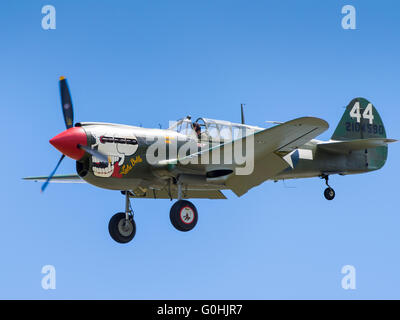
68,114
44,185
66,103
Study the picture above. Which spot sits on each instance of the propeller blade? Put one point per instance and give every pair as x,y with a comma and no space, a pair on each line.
66,103
94,153
44,185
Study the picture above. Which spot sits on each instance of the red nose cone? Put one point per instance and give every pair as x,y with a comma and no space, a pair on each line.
67,142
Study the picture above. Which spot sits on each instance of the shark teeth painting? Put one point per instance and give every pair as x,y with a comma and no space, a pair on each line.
105,169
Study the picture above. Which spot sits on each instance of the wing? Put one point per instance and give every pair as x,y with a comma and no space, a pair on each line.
284,138
149,193
69,178
271,145
142,192
270,148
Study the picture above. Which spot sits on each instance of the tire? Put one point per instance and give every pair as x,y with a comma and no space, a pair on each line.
329,194
118,231
183,215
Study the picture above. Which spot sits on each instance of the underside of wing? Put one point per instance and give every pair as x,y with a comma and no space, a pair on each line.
69,178
173,194
344,147
264,168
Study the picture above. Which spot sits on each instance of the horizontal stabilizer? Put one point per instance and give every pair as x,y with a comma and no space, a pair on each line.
353,145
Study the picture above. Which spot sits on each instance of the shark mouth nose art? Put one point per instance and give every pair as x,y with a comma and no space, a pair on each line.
106,169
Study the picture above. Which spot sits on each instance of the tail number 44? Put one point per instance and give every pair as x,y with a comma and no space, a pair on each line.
367,114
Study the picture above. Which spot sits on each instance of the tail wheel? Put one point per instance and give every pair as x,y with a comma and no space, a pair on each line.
183,215
122,230
329,193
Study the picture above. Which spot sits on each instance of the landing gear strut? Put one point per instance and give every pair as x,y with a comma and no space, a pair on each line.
329,193
122,227
183,213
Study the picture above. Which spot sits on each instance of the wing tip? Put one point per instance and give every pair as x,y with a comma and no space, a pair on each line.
311,121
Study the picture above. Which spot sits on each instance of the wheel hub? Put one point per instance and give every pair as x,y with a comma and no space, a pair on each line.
125,227
187,215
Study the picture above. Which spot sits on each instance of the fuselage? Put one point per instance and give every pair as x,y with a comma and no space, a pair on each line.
128,147
314,162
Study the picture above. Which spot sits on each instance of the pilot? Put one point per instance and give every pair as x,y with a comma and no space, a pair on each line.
197,129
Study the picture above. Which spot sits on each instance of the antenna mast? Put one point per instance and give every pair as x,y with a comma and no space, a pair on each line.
242,113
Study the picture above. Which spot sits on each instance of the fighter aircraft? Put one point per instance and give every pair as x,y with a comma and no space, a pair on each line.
198,159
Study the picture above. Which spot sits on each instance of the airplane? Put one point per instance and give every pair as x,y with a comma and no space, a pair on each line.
132,160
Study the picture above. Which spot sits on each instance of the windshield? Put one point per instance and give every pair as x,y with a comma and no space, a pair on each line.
183,126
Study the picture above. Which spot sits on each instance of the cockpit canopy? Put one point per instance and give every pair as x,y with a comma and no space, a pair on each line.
211,129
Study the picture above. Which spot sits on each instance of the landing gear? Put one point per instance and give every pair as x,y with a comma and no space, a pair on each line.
329,193
122,227
122,230
183,213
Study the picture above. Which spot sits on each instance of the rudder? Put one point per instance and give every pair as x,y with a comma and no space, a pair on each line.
361,120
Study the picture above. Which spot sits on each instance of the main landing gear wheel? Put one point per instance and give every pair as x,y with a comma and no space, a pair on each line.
329,193
183,215
121,229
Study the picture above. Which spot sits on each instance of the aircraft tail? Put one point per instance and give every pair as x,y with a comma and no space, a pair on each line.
362,122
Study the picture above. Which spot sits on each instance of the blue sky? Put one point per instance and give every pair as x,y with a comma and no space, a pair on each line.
148,62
